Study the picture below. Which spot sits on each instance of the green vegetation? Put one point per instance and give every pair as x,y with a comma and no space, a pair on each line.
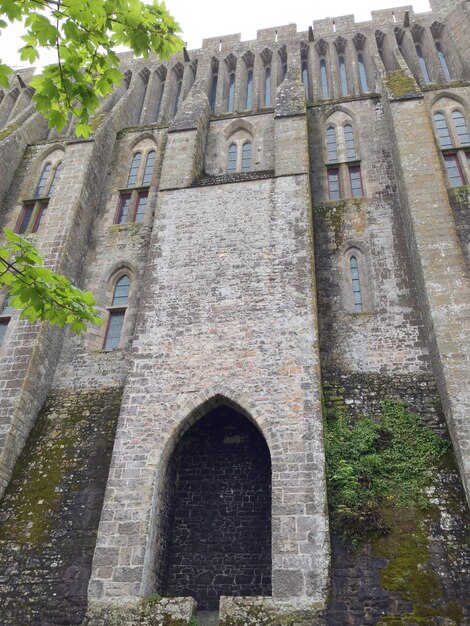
373,465
85,34
40,293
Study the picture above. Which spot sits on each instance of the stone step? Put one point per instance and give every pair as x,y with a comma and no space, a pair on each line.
207,618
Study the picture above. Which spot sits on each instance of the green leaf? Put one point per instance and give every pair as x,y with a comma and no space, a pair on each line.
5,72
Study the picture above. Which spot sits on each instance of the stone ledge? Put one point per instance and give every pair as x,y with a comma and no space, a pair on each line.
146,612
262,611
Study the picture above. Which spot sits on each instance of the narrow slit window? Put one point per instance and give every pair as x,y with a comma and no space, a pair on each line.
55,177
41,186
356,285
141,205
356,182
342,75
305,77
267,87
324,79
349,142
179,86
123,208
149,164
442,61
422,63
362,73
331,147
442,130
461,128
232,158
24,219
249,89
246,157
213,92
453,170
134,169
231,93
334,189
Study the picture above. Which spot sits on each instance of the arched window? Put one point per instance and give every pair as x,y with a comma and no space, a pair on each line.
148,168
134,169
55,177
179,86
246,157
442,130
342,75
231,93
267,86
331,147
41,186
442,61
356,284
324,79
249,90
422,63
232,158
362,73
461,128
305,77
213,97
117,312
349,142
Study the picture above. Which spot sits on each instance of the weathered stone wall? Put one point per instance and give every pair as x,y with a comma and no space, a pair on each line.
50,512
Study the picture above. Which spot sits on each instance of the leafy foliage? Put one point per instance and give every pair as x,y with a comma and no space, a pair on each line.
85,34
369,464
40,293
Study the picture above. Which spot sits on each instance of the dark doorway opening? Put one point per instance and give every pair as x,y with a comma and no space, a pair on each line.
220,522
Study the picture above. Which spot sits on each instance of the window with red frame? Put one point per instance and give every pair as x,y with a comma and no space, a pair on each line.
355,181
134,199
117,313
334,187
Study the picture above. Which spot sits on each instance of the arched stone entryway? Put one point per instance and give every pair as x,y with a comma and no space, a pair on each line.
220,519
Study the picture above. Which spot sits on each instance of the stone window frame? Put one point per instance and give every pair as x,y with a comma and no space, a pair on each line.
446,105
353,249
135,193
339,118
125,331
6,313
34,207
238,134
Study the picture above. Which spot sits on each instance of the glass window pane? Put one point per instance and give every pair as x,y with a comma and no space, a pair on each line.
232,158
356,285
305,77
349,142
267,86
113,334
342,76
331,148
334,191
121,291
362,73
324,79
442,61
249,89
141,206
25,217
442,130
134,170
42,181
453,170
3,330
231,93
422,64
55,177
123,211
356,182
40,216
461,128
246,157
149,168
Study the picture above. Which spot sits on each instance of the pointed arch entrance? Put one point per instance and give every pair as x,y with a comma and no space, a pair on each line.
220,518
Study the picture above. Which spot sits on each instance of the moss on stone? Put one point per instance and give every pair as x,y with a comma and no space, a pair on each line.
9,130
400,84
333,213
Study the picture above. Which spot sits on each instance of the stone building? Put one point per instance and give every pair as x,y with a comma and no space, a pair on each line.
264,224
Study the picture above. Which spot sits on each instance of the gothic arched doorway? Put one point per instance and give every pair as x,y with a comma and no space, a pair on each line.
220,522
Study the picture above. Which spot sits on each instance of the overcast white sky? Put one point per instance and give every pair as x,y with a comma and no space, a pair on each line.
208,18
